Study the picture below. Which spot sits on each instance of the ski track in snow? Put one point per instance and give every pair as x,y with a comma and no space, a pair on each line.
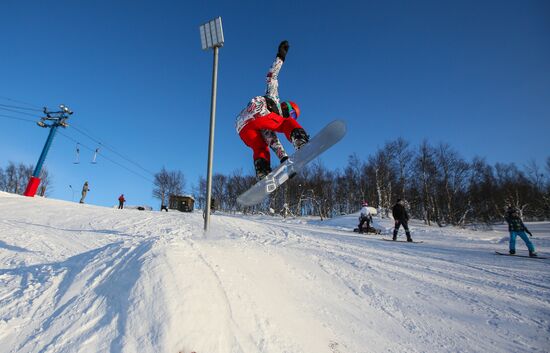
80,278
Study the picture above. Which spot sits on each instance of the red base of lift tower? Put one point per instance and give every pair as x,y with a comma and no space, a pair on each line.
32,186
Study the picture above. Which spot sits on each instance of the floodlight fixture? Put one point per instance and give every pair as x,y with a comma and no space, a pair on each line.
65,109
212,34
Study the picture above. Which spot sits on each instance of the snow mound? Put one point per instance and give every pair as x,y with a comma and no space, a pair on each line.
81,278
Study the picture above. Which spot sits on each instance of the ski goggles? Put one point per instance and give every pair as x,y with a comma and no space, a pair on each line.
292,113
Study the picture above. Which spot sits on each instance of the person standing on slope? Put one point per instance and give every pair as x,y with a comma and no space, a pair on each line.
364,217
401,218
121,201
517,228
268,113
85,190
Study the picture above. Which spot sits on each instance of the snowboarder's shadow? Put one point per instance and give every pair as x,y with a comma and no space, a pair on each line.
113,263
82,230
4,245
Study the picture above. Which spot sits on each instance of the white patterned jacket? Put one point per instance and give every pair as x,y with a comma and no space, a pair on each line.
258,106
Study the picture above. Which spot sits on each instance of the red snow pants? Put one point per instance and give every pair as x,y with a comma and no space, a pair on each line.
253,138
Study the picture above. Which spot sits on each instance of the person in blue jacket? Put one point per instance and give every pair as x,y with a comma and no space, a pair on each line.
517,228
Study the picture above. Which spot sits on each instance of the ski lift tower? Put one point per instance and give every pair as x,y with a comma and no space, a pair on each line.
211,37
52,120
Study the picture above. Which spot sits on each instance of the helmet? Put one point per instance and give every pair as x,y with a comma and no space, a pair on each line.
290,110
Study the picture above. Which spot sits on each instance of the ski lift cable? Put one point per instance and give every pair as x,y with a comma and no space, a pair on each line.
18,112
7,107
107,158
17,118
21,102
22,108
104,156
80,130
87,134
40,109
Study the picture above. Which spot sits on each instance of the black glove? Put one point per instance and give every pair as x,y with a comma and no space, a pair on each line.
530,234
283,50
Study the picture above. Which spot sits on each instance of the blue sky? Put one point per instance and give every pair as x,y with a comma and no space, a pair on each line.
474,74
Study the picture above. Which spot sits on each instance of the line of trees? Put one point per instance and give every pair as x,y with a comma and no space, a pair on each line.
15,177
440,186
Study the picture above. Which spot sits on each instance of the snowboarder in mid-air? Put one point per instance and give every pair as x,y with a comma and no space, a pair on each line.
517,228
401,218
265,115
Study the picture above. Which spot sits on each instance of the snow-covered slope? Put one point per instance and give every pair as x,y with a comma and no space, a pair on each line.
80,278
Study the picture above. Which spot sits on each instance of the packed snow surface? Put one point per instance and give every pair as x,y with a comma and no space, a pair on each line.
82,278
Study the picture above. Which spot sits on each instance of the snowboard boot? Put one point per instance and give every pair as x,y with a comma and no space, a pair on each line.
282,160
262,168
512,252
532,254
394,238
298,137
409,239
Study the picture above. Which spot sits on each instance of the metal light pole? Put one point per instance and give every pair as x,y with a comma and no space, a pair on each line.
57,119
211,37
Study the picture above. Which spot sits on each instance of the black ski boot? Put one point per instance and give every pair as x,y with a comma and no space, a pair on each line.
262,168
532,254
298,137
409,239
512,252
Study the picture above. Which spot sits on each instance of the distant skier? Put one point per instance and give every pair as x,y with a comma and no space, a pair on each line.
401,218
85,190
364,217
517,228
267,113
121,201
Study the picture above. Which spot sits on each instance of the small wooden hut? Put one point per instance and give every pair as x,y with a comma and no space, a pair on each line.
183,203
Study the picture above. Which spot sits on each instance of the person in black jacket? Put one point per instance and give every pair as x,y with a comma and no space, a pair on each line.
401,218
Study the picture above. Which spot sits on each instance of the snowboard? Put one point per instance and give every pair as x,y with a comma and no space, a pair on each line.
402,241
504,254
371,230
326,138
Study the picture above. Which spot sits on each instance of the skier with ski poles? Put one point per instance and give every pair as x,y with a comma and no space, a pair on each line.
265,115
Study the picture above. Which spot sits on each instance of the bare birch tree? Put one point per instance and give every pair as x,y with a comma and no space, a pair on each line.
168,183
